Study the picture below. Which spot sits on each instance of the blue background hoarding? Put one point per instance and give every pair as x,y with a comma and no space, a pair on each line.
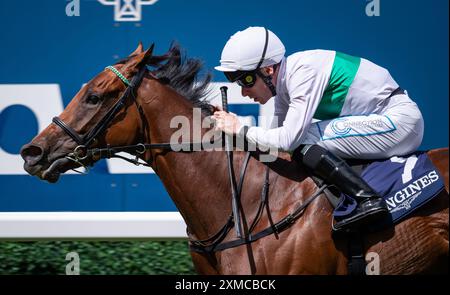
40,45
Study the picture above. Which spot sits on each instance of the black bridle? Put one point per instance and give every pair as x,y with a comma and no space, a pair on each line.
83,150
214,243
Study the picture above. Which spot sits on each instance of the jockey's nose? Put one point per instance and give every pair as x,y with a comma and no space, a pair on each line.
31,153
244,91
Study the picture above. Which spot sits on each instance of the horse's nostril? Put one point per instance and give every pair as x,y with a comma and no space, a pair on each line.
32,154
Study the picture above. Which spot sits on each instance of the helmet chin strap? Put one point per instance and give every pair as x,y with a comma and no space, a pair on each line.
268,81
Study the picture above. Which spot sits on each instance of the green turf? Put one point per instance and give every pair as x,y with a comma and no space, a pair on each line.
96,258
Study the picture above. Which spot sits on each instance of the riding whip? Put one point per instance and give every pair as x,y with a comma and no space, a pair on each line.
228,150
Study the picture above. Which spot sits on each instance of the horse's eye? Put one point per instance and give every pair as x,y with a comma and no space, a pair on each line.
93,99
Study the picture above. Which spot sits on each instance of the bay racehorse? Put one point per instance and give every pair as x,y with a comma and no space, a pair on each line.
134,102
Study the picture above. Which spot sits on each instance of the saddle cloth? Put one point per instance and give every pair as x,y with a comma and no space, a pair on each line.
405,184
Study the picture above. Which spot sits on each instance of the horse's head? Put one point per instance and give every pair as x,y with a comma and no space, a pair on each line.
98,115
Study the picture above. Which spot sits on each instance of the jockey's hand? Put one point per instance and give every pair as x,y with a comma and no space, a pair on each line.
226,122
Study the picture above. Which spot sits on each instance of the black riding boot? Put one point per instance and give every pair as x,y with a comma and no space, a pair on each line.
336,171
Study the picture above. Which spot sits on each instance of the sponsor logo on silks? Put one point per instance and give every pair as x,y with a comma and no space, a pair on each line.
340,127
125,11
355,126
403,199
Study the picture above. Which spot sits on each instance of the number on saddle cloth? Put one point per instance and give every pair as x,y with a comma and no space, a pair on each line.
405,183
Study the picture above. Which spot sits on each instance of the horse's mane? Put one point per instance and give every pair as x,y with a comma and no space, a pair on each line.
182,74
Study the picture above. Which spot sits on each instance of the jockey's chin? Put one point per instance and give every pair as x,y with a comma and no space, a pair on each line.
261,100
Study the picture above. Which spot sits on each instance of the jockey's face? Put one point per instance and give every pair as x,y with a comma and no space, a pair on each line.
260,92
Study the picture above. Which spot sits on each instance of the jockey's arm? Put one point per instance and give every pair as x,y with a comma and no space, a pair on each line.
305,89
279,115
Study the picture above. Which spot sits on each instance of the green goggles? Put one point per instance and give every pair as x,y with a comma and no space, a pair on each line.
244,79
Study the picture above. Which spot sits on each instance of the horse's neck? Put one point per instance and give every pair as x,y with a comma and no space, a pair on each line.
193,180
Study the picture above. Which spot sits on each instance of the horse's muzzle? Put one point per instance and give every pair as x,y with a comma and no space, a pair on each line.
31,154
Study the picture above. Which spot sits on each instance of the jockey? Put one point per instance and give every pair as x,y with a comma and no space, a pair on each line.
328,106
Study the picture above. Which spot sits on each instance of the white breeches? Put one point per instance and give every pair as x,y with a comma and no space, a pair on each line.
396,131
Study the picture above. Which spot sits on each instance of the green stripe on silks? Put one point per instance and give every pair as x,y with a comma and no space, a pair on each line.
343,73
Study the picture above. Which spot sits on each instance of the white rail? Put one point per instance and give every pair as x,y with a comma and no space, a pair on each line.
30,226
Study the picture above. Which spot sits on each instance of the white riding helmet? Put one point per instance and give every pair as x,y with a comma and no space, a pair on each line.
244,50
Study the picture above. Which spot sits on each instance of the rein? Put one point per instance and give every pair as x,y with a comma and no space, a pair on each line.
139,149
214,244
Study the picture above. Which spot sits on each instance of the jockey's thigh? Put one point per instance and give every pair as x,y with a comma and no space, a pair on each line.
397,131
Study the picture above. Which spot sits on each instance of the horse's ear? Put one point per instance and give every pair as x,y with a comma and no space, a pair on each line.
138,50
149,51
147,54
139,58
